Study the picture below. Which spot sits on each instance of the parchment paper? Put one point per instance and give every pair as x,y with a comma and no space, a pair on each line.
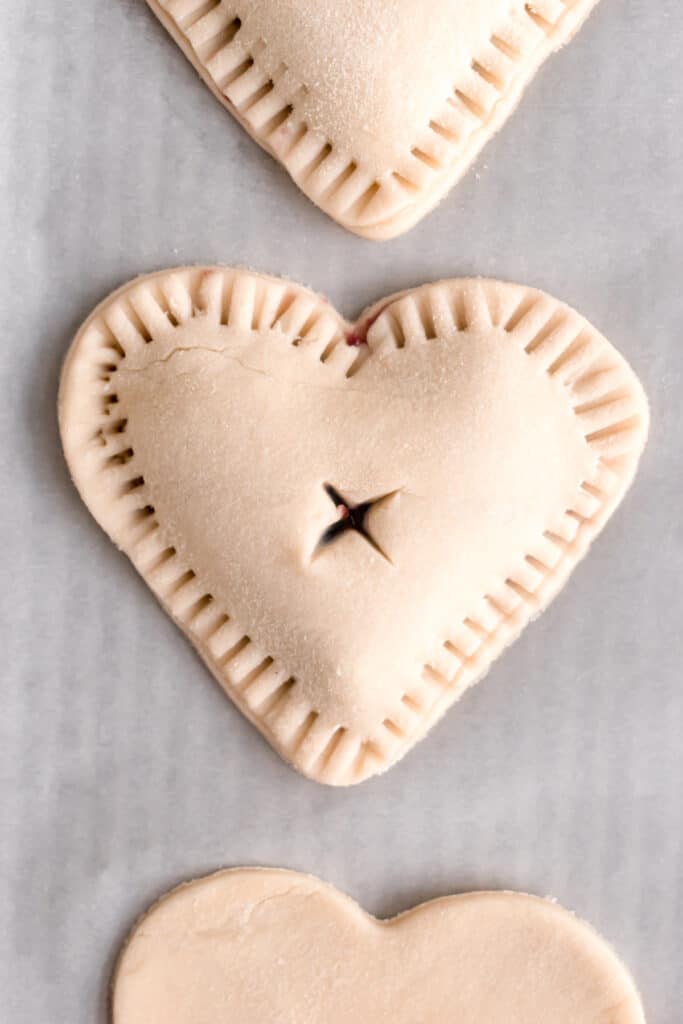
123,768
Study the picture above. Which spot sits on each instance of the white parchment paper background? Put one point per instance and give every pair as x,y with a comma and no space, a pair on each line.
123,768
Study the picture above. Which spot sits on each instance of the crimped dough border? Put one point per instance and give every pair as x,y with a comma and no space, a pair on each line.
336,181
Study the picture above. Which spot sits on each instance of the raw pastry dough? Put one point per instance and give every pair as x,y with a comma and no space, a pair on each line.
375,107
349,521
256,946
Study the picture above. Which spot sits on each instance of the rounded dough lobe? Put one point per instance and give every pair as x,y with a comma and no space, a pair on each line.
256,946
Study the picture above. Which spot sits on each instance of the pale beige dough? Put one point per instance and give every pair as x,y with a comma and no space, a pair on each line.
376,107
256,946
203,411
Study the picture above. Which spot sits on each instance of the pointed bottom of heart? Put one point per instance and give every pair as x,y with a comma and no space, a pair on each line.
259,946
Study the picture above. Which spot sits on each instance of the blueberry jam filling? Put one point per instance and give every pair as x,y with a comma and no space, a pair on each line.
359,335
351,517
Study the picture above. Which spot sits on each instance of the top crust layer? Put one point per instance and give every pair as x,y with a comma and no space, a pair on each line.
375,111
218,424
260,946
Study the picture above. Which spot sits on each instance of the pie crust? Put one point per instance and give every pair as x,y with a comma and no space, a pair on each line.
261,946
485,430
375,107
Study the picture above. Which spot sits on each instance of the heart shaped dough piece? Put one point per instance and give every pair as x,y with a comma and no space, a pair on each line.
375,107
349,522
260,946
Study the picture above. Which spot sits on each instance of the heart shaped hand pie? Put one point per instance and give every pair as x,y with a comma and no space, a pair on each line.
349,522
260,946
375,107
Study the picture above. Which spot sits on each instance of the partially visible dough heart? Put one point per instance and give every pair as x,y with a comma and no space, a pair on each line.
256,946
350,522
375,107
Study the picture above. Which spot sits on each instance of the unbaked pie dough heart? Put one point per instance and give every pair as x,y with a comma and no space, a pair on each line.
350,522
375,107
258,946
